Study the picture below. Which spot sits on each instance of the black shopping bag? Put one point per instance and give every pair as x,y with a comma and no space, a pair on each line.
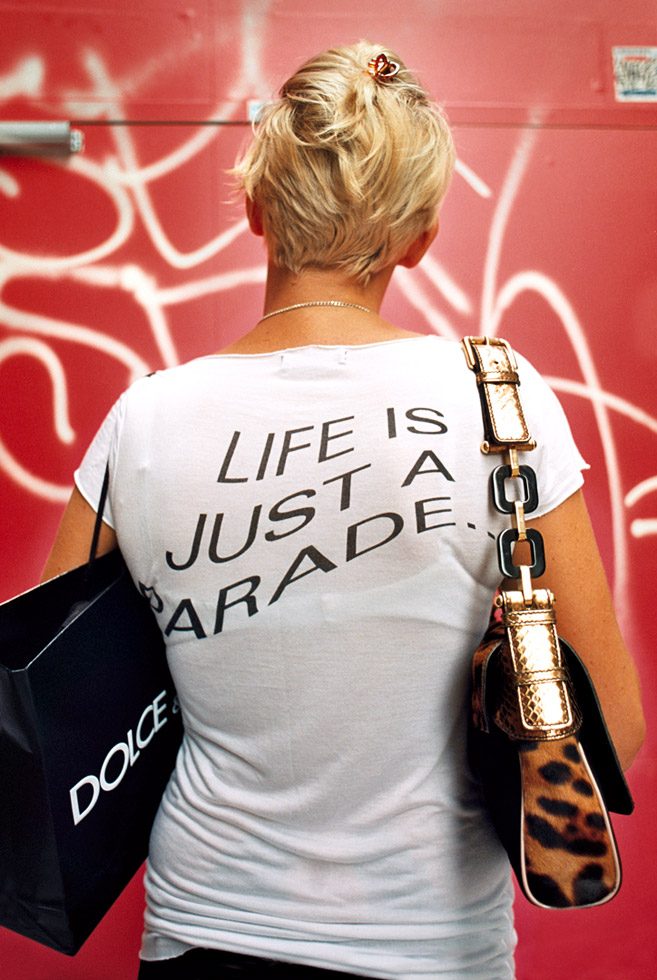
89,731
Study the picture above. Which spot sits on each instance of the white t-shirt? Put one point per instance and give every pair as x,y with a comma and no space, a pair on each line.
314,530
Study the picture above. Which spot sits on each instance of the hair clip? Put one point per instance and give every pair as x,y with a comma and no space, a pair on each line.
381,68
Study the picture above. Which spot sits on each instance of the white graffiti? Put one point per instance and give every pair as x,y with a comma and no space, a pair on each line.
12,467
642,527
26,79
436,294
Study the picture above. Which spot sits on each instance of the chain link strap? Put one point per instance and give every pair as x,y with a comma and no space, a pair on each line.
506,432
537,701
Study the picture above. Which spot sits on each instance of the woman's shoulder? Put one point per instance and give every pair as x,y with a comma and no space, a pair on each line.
185,374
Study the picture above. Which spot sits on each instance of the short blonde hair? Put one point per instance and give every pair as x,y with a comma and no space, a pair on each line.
347,169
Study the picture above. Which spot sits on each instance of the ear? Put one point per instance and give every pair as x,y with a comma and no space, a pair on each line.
254,215
419,246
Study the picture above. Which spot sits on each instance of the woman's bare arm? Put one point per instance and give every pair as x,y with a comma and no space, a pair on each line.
586,618
73,539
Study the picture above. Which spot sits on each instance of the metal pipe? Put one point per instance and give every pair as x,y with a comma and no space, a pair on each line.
30,138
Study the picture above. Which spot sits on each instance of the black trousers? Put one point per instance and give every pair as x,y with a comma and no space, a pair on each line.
215,964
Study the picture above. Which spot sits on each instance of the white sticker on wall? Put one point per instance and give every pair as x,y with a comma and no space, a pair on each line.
635,74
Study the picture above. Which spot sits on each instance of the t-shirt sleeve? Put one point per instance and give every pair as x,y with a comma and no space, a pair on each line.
557,461
102,450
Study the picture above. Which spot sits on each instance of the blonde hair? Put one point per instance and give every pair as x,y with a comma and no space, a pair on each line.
348,169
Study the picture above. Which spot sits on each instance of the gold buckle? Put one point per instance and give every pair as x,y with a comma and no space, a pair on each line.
469,344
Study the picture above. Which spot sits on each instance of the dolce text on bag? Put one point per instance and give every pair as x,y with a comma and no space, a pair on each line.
126,753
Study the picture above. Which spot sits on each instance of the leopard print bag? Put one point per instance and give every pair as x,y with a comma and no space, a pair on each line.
537,739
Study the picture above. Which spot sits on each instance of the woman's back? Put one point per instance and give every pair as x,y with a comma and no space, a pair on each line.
314,531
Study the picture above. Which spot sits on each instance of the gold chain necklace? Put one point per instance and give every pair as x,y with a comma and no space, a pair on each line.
316,302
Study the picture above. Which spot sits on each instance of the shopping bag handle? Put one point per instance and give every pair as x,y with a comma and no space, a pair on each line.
99,517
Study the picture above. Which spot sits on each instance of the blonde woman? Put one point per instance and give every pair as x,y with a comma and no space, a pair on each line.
309,508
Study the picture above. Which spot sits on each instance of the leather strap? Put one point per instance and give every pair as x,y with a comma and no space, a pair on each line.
537,701
496,372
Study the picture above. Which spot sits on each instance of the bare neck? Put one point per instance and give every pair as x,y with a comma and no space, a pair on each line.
316,324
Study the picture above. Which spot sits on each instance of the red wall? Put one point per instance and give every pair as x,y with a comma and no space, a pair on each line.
133,256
